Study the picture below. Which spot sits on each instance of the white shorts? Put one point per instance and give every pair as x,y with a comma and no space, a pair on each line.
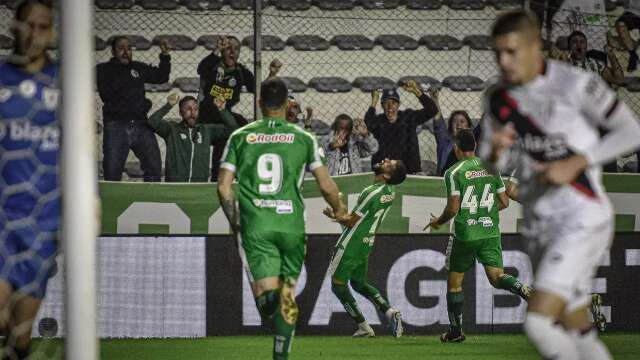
570,251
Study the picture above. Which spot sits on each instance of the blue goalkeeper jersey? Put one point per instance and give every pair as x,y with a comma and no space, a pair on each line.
29,150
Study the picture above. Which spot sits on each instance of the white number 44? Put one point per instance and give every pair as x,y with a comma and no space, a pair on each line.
470,200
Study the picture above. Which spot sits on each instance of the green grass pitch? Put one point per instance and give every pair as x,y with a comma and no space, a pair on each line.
476,347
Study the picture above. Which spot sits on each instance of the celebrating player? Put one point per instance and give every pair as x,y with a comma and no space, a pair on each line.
269,158
552,111
29,143
351,257
476,231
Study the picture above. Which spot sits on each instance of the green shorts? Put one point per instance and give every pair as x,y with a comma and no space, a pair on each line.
462,255
268,254
345,268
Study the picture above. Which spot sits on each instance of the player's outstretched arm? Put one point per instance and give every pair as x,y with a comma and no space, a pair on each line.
348,221
228,199
330,192
503,200
452,208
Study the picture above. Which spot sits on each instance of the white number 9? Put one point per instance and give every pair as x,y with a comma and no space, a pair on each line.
270,169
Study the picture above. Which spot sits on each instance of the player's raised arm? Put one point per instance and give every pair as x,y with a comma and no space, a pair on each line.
330,192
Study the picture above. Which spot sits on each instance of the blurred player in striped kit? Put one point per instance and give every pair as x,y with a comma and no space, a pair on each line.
351,257
29,144
544,116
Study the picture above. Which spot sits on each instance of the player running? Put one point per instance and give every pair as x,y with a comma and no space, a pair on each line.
476,230
351,255
552,111
29,151
269,158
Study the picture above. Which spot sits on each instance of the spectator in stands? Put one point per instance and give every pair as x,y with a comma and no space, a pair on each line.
628,21
445,133
605,64
121,87
189,142
222,75
395,129
348,142
294,114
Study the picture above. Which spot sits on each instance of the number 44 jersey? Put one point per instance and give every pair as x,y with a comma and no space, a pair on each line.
269,158
478,190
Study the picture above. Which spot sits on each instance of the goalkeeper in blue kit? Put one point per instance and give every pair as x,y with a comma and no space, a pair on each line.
351,255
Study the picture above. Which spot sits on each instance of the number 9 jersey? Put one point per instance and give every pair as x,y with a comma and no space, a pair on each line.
478,215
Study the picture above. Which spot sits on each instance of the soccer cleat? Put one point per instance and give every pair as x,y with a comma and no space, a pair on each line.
364,330
449,336
396,324
599,320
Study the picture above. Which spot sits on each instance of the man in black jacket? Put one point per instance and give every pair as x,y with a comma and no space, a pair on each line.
395,129
121,86
222,75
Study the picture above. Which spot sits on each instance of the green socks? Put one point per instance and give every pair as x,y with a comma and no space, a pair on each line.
455,301
347,300
267,304
512,284
278,308
372,294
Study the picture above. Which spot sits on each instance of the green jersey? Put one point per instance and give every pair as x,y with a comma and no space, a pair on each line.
373,205
478,215
269,158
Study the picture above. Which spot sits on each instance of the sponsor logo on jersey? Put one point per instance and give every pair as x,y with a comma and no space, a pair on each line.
281,206
485,221
226,93
551,147
259,138
386,198
369,240
48,136
471,222
472,174
135,73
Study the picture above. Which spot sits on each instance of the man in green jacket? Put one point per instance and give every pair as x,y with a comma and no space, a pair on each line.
189,143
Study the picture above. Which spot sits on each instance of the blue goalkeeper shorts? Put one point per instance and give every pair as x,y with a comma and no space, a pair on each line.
27,260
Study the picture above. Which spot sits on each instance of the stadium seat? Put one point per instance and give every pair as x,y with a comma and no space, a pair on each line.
241,4
506,4
187,84
562,43
158,87
137,42
291,5
294,84
465,4
396,42
330,84
463,83
203,4
176,42
632,83
423,80
209,42
99,43
308,42
352,42
424,4
114,4
380,4
269,42
440,42
334,4
6,42
478,42
371,83
158,4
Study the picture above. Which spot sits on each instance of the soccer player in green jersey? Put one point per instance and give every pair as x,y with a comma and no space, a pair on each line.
351,256
476,233
269,158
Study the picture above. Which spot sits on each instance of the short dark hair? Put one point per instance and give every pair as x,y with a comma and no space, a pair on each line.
515,21
399,174
334,126
458,112
273,93
575,33
22,10
465,140
115,39
184,101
